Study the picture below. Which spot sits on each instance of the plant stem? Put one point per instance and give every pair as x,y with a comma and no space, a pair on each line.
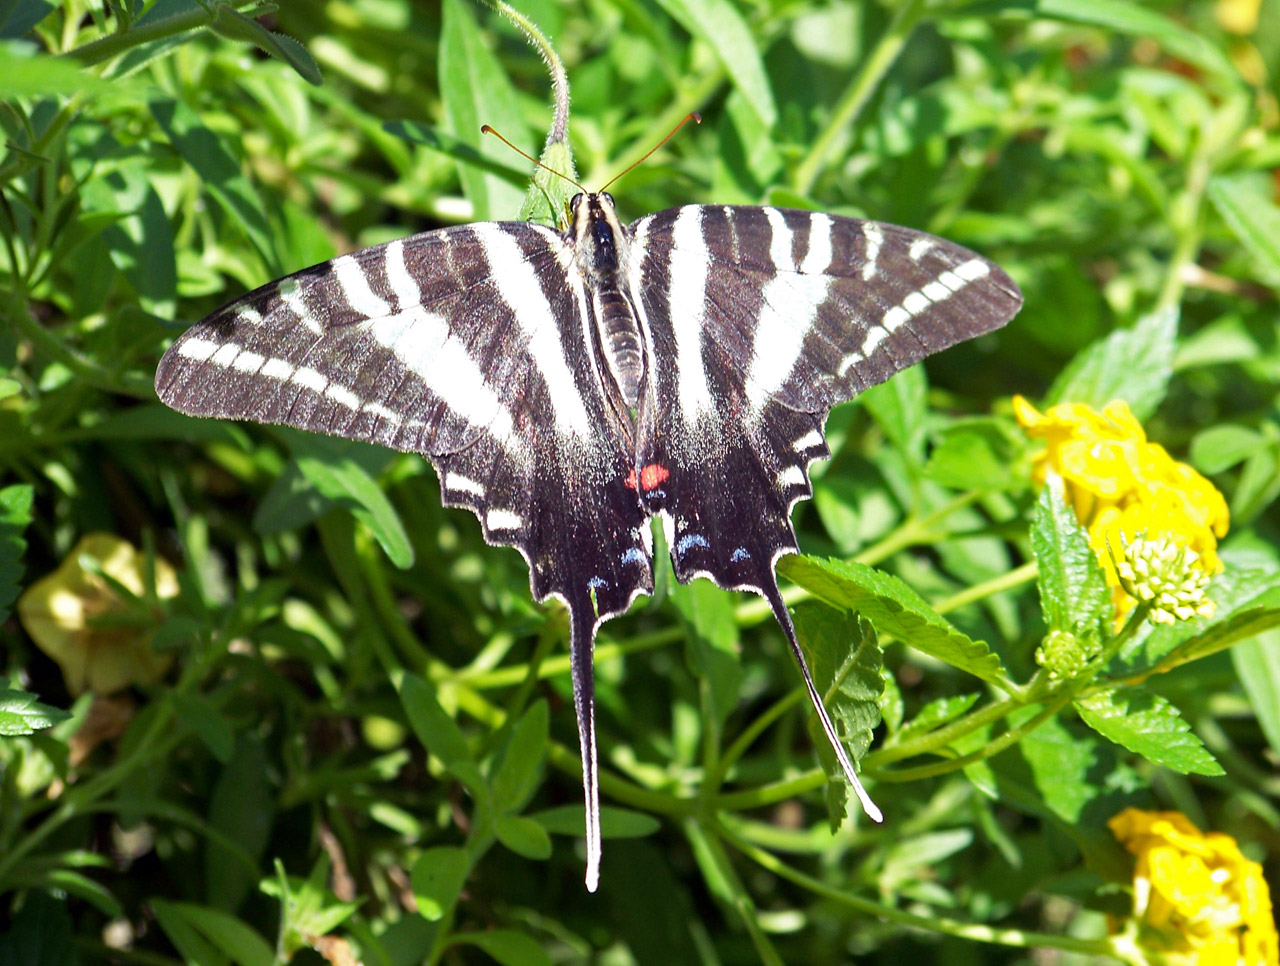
856,95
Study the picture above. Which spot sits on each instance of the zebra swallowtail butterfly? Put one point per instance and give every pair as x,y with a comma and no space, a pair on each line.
569,385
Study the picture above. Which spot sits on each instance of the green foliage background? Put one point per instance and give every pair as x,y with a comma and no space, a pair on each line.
1120,160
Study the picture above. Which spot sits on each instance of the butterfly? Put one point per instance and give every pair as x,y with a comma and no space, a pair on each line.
568,386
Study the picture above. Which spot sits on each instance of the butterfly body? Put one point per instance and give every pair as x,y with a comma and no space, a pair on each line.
568,386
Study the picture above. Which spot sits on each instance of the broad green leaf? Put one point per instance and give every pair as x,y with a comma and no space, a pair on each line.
241,808
220,171
718,24
189,940
713,653
1218,448
39,933
139,236
15,515
1056,760
1260,615
523,836
504,946
1148,725
900,407
975,455
476,91
437,879
1130,364
347,483
19,16
24,72
22,714
846,664
1122,17
1074,594
230,936
894,609
615,823
1246,205
439,733
1257,663
935,714
517,775
207,722
1259,484
915,856
232,24
1241,592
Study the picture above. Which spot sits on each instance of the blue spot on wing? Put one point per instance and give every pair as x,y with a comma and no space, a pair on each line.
597,583
633,555
740,555
688,541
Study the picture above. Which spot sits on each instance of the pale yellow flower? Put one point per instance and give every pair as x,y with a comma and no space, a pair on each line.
1199,901
1121,486
101,641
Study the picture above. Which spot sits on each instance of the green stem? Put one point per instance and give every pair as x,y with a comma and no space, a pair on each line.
856,95
974,932
114,45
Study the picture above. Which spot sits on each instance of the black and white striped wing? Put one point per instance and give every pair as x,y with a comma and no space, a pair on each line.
462,345
759,320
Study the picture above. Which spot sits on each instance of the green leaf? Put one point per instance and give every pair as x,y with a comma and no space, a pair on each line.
225,933
935,714
1074,593
437,878
516,777
1246,205
438,732
975,455
718,24
900,407
713,652
139,237
214,731
893,609
19,16
523,836
1124,18
1130,364
615,823
1218,448
232,24
220,171
15,516
846,664
1258,616
347,483
22,714
506,947
40,933
24,72
242,807
1148,725
1257,663
476,91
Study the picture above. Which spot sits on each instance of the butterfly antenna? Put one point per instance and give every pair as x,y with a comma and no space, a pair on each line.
774,597
485,129
691,116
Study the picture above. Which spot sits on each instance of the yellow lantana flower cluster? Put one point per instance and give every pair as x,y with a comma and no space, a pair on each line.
1122,487
1198,900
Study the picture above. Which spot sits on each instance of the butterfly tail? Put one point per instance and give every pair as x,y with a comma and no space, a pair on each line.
582,643
774,597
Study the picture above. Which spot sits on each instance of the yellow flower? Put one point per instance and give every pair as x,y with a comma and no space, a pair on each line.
101,641
1121,486
1199,900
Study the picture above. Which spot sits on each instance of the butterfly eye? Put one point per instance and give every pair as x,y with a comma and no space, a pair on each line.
608,197
573,202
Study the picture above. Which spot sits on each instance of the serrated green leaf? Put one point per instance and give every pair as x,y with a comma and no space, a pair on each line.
1260,615
718,24
225,933
476,91
22,714
1245,204
895,609
232,24
1073,588
347,483
523,836
615,823
1148,725
15,515
517,775
437,878
1130,364
504,946
1257,664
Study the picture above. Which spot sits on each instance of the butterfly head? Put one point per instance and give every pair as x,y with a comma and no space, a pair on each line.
597,233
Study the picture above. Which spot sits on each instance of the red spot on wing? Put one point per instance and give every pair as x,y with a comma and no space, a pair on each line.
631,480
653,475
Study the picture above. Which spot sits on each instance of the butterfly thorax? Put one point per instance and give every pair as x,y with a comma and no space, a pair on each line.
601,248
